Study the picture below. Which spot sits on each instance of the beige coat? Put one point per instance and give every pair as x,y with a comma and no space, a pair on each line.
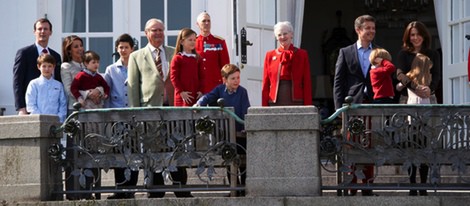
145,85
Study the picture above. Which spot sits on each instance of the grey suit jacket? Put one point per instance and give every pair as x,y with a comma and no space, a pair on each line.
145,85
349,79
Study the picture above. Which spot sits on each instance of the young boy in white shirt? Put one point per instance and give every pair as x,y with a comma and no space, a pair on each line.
45,95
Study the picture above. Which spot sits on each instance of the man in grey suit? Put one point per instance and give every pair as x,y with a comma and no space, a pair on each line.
352,75
149,85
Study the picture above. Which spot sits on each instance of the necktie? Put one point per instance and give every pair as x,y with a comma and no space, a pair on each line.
44,51
158,62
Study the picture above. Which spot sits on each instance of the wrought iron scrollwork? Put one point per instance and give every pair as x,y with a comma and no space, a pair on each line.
356,126
154,146
409,136
56,152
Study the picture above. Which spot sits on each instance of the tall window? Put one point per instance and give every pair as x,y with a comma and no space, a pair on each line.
459,26
176,17
92,20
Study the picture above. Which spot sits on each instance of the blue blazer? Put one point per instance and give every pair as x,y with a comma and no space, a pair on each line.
349,80
25,69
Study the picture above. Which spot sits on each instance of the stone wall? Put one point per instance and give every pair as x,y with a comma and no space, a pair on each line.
26,174
282,151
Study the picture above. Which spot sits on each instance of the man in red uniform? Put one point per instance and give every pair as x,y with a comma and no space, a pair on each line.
213,51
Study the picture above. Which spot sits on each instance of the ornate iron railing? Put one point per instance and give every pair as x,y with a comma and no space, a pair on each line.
155,139
435,136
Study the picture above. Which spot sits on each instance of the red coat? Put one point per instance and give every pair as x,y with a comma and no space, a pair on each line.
214,53
381,80
300,73
186,75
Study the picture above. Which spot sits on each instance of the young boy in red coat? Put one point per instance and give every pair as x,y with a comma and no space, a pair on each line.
88,79
381,76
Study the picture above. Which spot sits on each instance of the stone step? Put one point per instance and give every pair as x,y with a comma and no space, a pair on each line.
392,174
387,174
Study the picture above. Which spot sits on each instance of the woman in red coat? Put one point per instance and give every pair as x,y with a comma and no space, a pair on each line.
186,69
286,79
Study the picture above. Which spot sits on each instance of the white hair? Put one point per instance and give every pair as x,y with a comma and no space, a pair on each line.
201,15
153,20
283,25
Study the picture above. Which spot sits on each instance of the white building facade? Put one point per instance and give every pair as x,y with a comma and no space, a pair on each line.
453,20
100,22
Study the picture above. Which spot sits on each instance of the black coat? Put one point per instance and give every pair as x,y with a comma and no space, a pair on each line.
25,69
349,79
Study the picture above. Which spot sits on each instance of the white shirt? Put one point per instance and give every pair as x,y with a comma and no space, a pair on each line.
46,96
165,63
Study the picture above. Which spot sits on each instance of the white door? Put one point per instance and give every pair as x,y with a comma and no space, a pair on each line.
258,19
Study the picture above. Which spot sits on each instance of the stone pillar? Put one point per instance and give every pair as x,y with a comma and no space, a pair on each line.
26,170
283,151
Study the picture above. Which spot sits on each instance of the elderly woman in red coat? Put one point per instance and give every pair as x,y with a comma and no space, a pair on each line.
286,78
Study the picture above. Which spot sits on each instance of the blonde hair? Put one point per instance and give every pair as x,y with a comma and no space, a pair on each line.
379,53
420,72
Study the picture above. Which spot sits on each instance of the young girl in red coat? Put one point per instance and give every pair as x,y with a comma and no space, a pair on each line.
186,69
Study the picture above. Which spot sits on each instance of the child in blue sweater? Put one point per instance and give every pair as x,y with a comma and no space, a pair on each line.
233,94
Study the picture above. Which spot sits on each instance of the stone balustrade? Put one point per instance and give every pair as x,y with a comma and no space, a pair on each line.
282,154
27,174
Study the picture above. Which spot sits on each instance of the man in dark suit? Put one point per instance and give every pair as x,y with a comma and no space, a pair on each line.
25,67
352,76
353,66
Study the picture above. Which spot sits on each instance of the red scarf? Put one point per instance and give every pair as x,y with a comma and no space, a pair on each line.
286,62
286,55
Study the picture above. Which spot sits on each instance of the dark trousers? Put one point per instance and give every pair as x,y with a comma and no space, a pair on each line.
242,168
120,179
180,176
384,101
423,174
369,174
368,169
72,182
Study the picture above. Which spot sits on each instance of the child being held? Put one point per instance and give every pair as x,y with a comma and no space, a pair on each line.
419,74
381,76
87,80
45,95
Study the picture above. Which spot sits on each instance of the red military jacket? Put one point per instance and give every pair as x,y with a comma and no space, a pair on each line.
214,53
300,73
